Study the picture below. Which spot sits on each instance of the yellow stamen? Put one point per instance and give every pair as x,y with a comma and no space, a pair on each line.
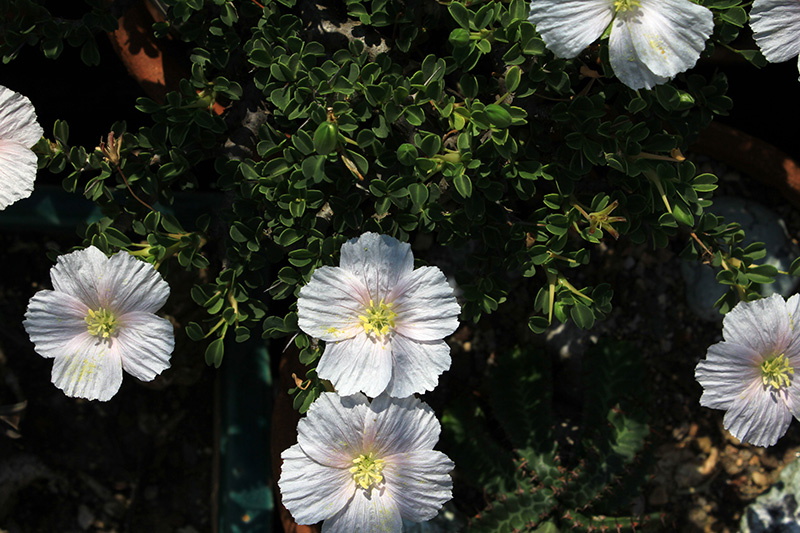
378,318
621,6
775,372
367,470
101,323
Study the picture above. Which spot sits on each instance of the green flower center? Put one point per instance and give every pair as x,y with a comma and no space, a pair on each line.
378,318
101,323
367,470
621,6
775,372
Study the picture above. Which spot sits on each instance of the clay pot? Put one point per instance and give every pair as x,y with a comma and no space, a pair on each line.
157,65
753,157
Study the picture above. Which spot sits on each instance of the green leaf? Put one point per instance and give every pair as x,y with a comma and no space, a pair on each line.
214,352
326,138
736,16
407,154
794,269
463,185
418,193
484,16
498,115
582,315
194,331
459,37
459,13
682,214
513,77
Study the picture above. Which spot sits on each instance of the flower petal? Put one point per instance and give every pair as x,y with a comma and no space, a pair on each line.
88,368
776,27
145,343
18,119
417,365
332,431
726,373
668,35
128,284
426,307
329,306
377,261
17,172
419,482
762,325
52,320
368,512
398,426
311,491
625,61
569,26
759,417
361,364
79,273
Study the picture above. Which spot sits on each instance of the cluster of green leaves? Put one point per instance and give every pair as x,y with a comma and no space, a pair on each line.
476,135
34,25
509,446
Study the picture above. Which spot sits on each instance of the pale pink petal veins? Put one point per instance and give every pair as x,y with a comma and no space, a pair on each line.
17,172
728,370
329,306
762,325
52,320
332,431
420,483
377,261
373,512
361,364
417,365
311,491
398,426
88,368
128,284
569,26
426,307
18,119
145,343
776,28
79,274
759,417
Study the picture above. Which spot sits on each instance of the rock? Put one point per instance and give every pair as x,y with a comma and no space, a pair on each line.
776,510
760,225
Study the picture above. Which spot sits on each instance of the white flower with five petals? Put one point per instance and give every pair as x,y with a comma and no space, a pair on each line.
364,467
776,29
751,373
99,320
650,42
19,131
383,321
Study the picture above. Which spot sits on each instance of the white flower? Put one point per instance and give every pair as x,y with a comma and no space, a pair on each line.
99,320
19,131
364,467
751,373
383,322
776,28
651,40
